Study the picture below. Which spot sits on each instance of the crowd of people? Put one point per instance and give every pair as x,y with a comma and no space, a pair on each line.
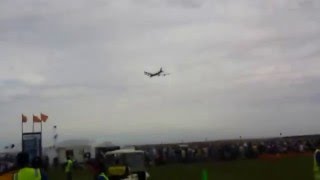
6,162
26,168
181,153
232,150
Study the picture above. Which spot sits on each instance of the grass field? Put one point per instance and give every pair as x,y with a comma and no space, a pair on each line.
297,168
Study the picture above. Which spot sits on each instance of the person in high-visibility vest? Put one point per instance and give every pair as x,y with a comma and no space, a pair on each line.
68,168
316,164
102,169
25,172
118,171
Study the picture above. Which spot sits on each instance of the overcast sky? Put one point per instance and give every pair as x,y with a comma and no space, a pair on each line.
238,68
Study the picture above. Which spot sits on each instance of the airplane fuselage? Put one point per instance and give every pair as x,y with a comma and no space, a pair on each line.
159,73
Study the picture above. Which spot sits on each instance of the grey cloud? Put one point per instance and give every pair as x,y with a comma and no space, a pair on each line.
235,66
187,3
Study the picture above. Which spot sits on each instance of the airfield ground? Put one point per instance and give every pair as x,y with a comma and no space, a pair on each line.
293,168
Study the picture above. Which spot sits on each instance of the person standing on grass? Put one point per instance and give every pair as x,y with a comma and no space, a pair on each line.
68,168
316,164
102,169
26,172
118,171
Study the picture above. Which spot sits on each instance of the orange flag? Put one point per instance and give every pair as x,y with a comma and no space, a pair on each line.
24,118
44,117
36,119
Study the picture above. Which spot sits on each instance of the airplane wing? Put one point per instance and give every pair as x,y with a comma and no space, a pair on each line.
148,74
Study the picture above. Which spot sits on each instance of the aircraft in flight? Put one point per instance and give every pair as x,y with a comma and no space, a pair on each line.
159,73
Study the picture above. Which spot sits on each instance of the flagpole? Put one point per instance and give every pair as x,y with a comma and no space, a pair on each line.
21,127
41,141
22,134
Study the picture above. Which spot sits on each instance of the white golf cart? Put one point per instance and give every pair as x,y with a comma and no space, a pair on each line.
131,158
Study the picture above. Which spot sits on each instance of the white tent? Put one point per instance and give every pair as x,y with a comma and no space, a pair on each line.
78,147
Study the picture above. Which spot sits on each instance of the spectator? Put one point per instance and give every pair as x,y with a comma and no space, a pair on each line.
68,168
101,173
26,172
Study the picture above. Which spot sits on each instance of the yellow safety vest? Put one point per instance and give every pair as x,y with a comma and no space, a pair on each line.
316,168
104,176
68,166
117,170
27,174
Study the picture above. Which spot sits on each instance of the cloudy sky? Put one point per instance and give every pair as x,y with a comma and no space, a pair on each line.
238,68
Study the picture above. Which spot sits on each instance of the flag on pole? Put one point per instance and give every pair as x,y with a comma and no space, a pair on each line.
24,118
43,117
36,119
